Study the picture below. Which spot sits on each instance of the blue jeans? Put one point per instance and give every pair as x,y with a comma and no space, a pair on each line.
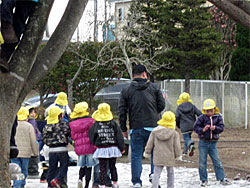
54,172
187,141
97,176
209,148
23,163
138,140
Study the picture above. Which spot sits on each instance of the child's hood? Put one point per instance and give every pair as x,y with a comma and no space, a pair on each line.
163,133
186,107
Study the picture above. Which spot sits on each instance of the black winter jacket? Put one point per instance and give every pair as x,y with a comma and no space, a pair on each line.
185,116
204,120
143,101
56,135
106,134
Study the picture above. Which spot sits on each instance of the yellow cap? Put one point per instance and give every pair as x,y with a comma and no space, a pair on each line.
168,120
62,99
80,110
22,114
209,104
53,114
103,113
184,97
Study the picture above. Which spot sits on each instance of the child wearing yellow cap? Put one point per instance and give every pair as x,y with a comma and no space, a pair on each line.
208,126
62,102
186,114
26,143
107,136
80,125
55,135
164,142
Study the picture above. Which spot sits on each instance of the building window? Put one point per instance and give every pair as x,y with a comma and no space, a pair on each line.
121,14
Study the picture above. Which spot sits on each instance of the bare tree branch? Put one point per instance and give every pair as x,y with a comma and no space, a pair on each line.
236,13
242,4
24,56
55,47
70,84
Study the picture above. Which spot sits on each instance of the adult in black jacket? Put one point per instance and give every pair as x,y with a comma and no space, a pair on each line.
186,114
143,102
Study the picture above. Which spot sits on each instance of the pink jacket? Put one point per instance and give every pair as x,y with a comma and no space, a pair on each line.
79,133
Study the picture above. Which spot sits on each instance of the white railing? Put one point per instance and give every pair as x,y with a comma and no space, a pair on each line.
231,97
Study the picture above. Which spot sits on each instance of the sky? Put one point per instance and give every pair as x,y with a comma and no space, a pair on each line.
86,24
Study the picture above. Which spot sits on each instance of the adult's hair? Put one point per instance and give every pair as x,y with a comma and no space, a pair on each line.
138,69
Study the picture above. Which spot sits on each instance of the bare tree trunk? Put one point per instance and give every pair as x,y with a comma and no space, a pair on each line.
95,21
28,66
5,128
127,62
70,86
105,32
239,12
187,83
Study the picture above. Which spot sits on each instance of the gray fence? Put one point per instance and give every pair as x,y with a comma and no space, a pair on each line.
232,98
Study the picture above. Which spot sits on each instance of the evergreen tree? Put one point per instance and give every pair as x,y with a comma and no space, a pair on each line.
185,26
241,56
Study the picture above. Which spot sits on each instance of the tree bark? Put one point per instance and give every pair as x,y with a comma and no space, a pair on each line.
27,68
239,12
244,5
55,47
95,21
70,85
187,83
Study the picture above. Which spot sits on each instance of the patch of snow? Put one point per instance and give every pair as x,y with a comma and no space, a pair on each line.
184,178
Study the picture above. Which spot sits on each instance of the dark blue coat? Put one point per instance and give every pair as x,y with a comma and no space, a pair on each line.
204,120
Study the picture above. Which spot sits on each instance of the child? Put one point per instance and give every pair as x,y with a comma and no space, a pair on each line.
55,135
164,142
80,126
186,114
107,136
33,163
208,126
26,144
62,102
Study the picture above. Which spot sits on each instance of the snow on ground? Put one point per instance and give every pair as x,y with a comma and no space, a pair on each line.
184,178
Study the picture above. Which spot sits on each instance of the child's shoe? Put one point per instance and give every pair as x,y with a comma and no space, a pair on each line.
115,186
79,184
109,185
225,182
43,181
191,150
203,183
55,182
151,177
137,185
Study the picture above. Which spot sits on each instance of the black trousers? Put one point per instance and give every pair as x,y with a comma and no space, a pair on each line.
103,162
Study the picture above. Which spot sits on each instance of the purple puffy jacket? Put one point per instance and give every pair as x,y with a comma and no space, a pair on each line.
79,133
